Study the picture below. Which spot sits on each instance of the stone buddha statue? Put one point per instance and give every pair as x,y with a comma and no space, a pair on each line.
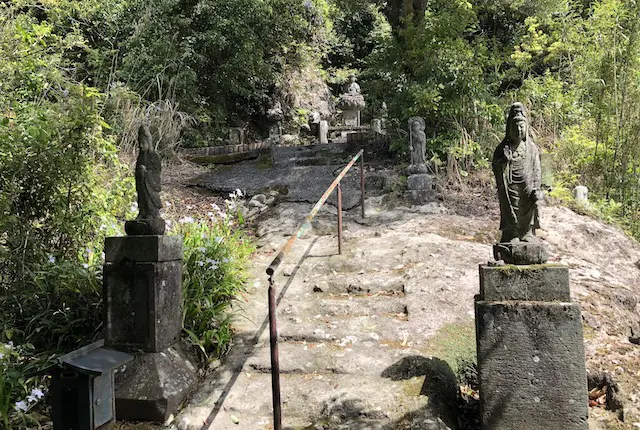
516,165
148,185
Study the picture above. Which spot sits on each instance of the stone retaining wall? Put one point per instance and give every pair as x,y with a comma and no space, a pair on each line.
226,149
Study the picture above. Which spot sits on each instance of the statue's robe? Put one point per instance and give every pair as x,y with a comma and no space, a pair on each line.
518,177
148,184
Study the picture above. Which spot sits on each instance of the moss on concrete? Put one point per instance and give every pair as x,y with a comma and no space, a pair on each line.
454,343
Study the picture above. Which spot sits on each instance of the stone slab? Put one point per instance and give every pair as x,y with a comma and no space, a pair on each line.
143,248
153,386
143,303
531,366
545,283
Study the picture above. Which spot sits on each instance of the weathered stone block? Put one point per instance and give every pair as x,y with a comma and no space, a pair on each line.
143,305
143,248
351,117
545,283
151,387
531,366
324,132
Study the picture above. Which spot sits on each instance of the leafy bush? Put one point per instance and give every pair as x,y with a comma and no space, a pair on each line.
216,255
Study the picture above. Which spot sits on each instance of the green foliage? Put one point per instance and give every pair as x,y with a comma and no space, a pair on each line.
216,254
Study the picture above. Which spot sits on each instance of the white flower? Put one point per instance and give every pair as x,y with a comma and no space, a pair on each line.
210,214
52,259
85,265
167,204
102,255
31,398
22,406
219,239
37,392
239,192
134,206
189,207
1,356
168,223
202,249
9,345
200,263
186,220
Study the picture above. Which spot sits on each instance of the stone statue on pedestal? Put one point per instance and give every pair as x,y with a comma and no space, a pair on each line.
148,185
516,165
275,115
351,102
418,146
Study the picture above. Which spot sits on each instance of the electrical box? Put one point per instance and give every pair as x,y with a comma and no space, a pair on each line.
82,387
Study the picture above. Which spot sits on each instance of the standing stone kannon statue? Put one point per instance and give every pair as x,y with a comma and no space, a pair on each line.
148,185
418,142
516,165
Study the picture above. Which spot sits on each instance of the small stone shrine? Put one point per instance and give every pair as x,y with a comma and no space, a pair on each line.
351,103
143,303
531,362
418,181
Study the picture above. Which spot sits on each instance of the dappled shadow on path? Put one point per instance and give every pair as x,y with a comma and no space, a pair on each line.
250,344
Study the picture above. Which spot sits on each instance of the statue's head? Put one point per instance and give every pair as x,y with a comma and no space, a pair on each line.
144,137
352,78
416,124
517,125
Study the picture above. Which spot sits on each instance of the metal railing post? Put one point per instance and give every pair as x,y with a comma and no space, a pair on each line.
362,184
339,219
275,359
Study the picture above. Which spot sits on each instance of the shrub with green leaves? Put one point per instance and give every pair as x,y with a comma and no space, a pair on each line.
216,254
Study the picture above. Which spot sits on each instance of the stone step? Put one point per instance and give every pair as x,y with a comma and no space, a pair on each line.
358,284
391,304
329,401
367,357
344,329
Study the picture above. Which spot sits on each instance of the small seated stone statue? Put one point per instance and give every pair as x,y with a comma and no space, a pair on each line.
516,166
148,185
352,98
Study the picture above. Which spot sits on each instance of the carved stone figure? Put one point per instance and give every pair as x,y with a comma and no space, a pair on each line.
418,146
148,185
275,115
351,103
516,165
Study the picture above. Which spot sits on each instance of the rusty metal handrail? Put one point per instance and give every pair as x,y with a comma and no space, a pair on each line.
273,330
307,221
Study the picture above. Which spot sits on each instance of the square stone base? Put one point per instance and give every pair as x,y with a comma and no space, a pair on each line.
531,366
153,386
142,290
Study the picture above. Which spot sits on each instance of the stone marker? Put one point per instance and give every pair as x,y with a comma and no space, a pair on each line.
142,290
236,136
324,132
581,193
531,363
516,166
419,182
376,126
351,103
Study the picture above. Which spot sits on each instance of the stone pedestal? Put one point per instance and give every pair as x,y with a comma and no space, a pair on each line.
521,252
420,189
143,314
531,363
236,136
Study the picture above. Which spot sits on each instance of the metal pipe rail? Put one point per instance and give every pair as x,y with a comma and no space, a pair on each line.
273,330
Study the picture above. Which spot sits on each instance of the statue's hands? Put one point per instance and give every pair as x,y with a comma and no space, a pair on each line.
538,196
